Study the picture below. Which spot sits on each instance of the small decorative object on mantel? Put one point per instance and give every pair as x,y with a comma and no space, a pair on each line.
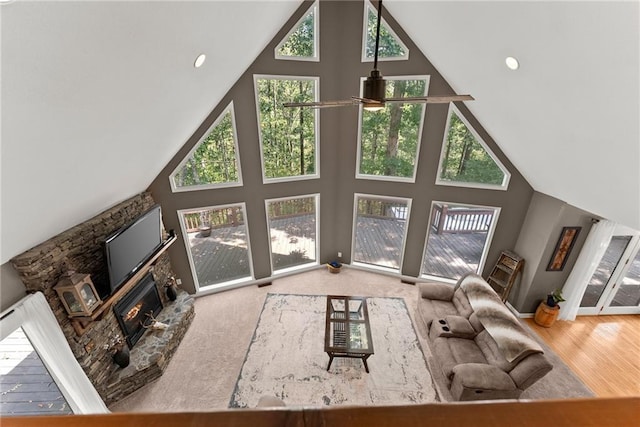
77,293
547,312
334,267
172,289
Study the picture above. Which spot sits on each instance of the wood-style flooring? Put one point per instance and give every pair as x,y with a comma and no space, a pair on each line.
604,351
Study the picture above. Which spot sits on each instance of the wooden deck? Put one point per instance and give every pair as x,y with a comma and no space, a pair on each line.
26,388
223,256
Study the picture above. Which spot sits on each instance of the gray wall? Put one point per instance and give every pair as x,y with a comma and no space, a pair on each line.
536,243
340,71
12,289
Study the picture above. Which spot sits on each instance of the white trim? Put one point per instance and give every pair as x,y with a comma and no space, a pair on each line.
315,8
298,267
229,109
427,79
487,243
365,23
39,324
507,175
404,237
185,235
316,86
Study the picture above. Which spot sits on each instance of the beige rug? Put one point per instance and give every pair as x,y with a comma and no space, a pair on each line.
286,358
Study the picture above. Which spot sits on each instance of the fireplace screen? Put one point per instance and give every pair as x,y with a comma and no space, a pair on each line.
135,310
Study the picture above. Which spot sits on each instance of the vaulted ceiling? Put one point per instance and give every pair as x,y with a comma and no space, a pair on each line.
98,96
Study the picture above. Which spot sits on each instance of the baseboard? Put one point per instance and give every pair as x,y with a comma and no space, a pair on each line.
518,314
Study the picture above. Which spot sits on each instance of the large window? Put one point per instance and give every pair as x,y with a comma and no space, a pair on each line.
293,231
288,135
380,230
213,162
458,239
302,41
390,46
390,137
218,244
466,161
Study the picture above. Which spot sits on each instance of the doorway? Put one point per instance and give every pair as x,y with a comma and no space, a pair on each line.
614,288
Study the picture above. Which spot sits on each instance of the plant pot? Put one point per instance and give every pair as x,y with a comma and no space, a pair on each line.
122,357
205,230
546,316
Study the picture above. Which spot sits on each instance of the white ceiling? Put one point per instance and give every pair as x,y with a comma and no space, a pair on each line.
97,97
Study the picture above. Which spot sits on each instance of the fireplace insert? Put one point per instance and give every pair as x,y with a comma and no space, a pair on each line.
136,309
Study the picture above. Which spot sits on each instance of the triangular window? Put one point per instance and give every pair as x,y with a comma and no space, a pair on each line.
213,162
390,46
302,41
466,161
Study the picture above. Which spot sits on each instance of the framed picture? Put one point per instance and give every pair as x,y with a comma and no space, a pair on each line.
563,248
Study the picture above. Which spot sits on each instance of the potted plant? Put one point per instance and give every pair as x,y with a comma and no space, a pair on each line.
554,298
120,351
547,312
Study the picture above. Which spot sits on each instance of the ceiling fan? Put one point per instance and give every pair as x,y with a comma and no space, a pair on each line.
373,98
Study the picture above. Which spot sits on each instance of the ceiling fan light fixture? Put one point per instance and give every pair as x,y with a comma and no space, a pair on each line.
374,89
512,63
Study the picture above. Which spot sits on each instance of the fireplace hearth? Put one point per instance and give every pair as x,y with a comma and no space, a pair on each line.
137,309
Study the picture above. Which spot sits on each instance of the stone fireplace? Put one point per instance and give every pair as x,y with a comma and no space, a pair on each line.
41,267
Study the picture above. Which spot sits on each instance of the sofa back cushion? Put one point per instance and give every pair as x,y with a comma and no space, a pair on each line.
461,302
492,353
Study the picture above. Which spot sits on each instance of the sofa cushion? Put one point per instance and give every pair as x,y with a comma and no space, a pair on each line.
434,309
492,353
461,302
451,352
474,381
437,291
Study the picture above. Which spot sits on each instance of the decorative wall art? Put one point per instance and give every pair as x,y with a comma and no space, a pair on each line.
563,248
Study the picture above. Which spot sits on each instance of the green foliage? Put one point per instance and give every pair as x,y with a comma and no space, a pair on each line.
389,137
214,161
301,42
466,160
288,134
388,45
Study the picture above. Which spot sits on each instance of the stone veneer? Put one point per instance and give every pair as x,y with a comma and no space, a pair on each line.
40,269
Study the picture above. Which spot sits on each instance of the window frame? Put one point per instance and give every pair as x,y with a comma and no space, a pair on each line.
175,189
411,179
316,37
354,224
485,250
222,285
439,181
315,79
365,21
297,268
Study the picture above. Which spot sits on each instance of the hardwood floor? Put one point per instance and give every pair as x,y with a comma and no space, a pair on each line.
604,351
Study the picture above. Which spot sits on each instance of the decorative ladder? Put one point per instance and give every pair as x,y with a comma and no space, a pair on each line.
504,273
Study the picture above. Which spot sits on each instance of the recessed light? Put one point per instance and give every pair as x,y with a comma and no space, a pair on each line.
512,63
200,60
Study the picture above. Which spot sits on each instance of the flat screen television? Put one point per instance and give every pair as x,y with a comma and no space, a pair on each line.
127,249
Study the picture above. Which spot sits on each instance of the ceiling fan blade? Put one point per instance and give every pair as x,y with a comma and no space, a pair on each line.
358,100
433,99
322,104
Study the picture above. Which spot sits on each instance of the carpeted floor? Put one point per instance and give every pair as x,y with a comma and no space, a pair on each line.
203,372
286,358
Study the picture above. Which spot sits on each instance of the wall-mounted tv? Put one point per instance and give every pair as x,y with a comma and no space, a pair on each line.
131,246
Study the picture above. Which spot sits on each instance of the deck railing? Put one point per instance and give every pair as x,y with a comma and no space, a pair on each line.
445,219
382,209
216,218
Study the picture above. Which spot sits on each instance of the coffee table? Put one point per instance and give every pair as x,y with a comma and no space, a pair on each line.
347,330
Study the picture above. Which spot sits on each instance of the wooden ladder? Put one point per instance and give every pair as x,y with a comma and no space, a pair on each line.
504,273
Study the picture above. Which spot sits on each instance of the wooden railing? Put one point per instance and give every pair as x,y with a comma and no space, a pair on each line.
216,218
382,209
460,220
619,412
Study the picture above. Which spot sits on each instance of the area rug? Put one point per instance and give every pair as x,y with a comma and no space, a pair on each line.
286,358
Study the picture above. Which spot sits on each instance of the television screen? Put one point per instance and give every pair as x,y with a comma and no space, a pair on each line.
130,247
